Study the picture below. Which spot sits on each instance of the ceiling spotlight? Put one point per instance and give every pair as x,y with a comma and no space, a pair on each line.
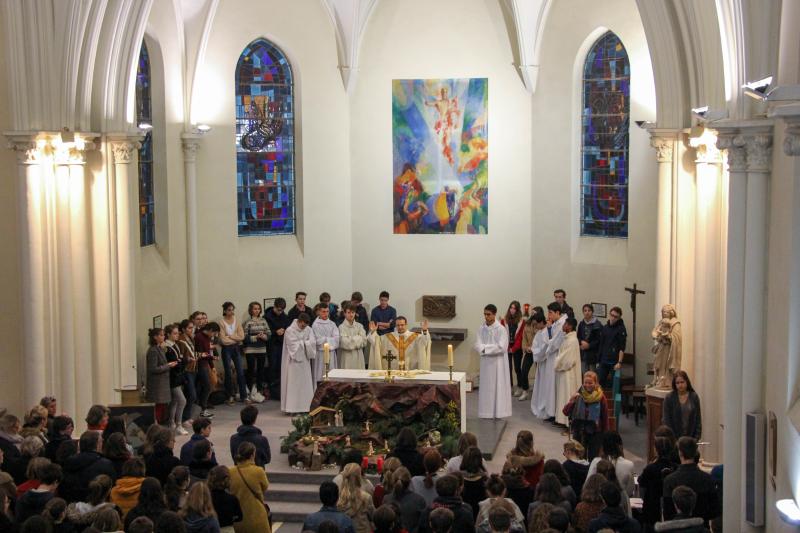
788,511
705,114
644,124
145,126
758,89
203,128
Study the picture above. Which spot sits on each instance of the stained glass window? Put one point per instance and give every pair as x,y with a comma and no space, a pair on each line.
144,115
265,141
604,150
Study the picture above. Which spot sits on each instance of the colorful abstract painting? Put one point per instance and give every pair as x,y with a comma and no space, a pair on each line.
440,138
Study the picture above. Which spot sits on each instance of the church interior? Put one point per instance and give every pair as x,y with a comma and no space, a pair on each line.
166,156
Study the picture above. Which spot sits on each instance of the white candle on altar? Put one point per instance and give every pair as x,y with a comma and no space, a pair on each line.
450,355
326,353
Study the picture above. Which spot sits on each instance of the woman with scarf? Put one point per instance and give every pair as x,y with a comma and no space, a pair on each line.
588,413
176,378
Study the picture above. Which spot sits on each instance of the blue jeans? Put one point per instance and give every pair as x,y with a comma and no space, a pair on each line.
190,391
605,374
230,354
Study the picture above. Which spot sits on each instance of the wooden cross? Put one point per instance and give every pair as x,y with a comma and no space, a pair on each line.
634,292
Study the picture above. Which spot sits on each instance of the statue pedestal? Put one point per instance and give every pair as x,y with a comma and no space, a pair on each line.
655,406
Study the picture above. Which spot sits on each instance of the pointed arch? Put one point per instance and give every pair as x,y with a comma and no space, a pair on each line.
265,141
605,119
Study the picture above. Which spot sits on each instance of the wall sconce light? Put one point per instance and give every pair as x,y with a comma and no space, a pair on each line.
145,126
644,124
788,511
782,93
67,136
202,128
706,114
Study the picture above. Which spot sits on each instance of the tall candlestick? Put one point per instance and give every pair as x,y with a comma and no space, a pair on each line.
450,355
326,351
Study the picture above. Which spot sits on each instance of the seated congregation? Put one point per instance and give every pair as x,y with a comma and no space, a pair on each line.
51,482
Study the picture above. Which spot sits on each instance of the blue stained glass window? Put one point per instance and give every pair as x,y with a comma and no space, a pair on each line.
265,179
604,144
144,115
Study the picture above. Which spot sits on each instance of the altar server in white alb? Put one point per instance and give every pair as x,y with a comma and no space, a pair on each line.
325,331
299,348
412,348
568,369
543,402
352,340
494,394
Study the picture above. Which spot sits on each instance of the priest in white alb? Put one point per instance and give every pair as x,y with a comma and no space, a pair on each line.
545,350
352,340
494,393
410,348
325,332
568,369
299,348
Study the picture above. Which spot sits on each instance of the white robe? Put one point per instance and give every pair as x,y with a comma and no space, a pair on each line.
324,331
352,340
494,393
568,373
297,384
543,400
417,349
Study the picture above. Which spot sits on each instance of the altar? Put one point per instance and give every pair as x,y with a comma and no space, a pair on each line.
415,392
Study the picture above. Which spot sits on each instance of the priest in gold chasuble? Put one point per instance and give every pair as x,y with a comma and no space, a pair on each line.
413,350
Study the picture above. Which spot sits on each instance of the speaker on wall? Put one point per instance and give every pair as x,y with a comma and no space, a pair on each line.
755,468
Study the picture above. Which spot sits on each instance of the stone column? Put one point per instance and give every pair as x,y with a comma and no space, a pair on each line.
124,149
191,143
735,317
664,143
707,290
35,334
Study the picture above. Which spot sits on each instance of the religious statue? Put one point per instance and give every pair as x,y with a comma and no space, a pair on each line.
666,347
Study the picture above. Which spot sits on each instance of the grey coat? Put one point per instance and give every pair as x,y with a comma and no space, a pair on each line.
158,376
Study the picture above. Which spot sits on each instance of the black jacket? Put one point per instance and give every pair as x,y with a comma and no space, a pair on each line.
612,340
276,322
18,468
590,333
651,483
150,512
160,463
672,416
79,470
615,519
227,507
463,523
577,473
198,470
702,484
10,451
51,448
31,503
251,434
410,459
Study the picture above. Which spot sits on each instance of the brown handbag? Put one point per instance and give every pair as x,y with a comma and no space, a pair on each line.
255,493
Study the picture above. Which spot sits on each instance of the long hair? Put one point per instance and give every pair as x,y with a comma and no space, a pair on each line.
466,440
389,468
515,318
115,447
524,446
402,479
151,497
245,452
685,376
607,469
198,502
175,487
612,446
406,439
552,466
433,463
99,490
472,463
548,490
107,520
540,519
591,489
350,494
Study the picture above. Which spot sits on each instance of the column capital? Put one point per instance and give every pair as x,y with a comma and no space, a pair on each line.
664,147
737,154
759,151
790,114
123,145
191,144
705,145
25,145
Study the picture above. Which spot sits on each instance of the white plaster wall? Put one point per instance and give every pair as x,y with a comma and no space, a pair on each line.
591,269
10,274
242,269
161,286
453,39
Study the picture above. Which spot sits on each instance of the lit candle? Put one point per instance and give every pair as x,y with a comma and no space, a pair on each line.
326,351
450,355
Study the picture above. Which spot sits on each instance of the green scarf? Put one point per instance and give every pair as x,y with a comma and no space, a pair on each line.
592,397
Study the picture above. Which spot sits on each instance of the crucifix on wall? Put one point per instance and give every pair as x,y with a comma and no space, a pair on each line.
634,293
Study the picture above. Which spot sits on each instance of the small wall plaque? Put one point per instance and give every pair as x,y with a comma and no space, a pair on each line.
438,306
158,321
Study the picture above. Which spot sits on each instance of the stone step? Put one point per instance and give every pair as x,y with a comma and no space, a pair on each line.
293,492
291,511
304,477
